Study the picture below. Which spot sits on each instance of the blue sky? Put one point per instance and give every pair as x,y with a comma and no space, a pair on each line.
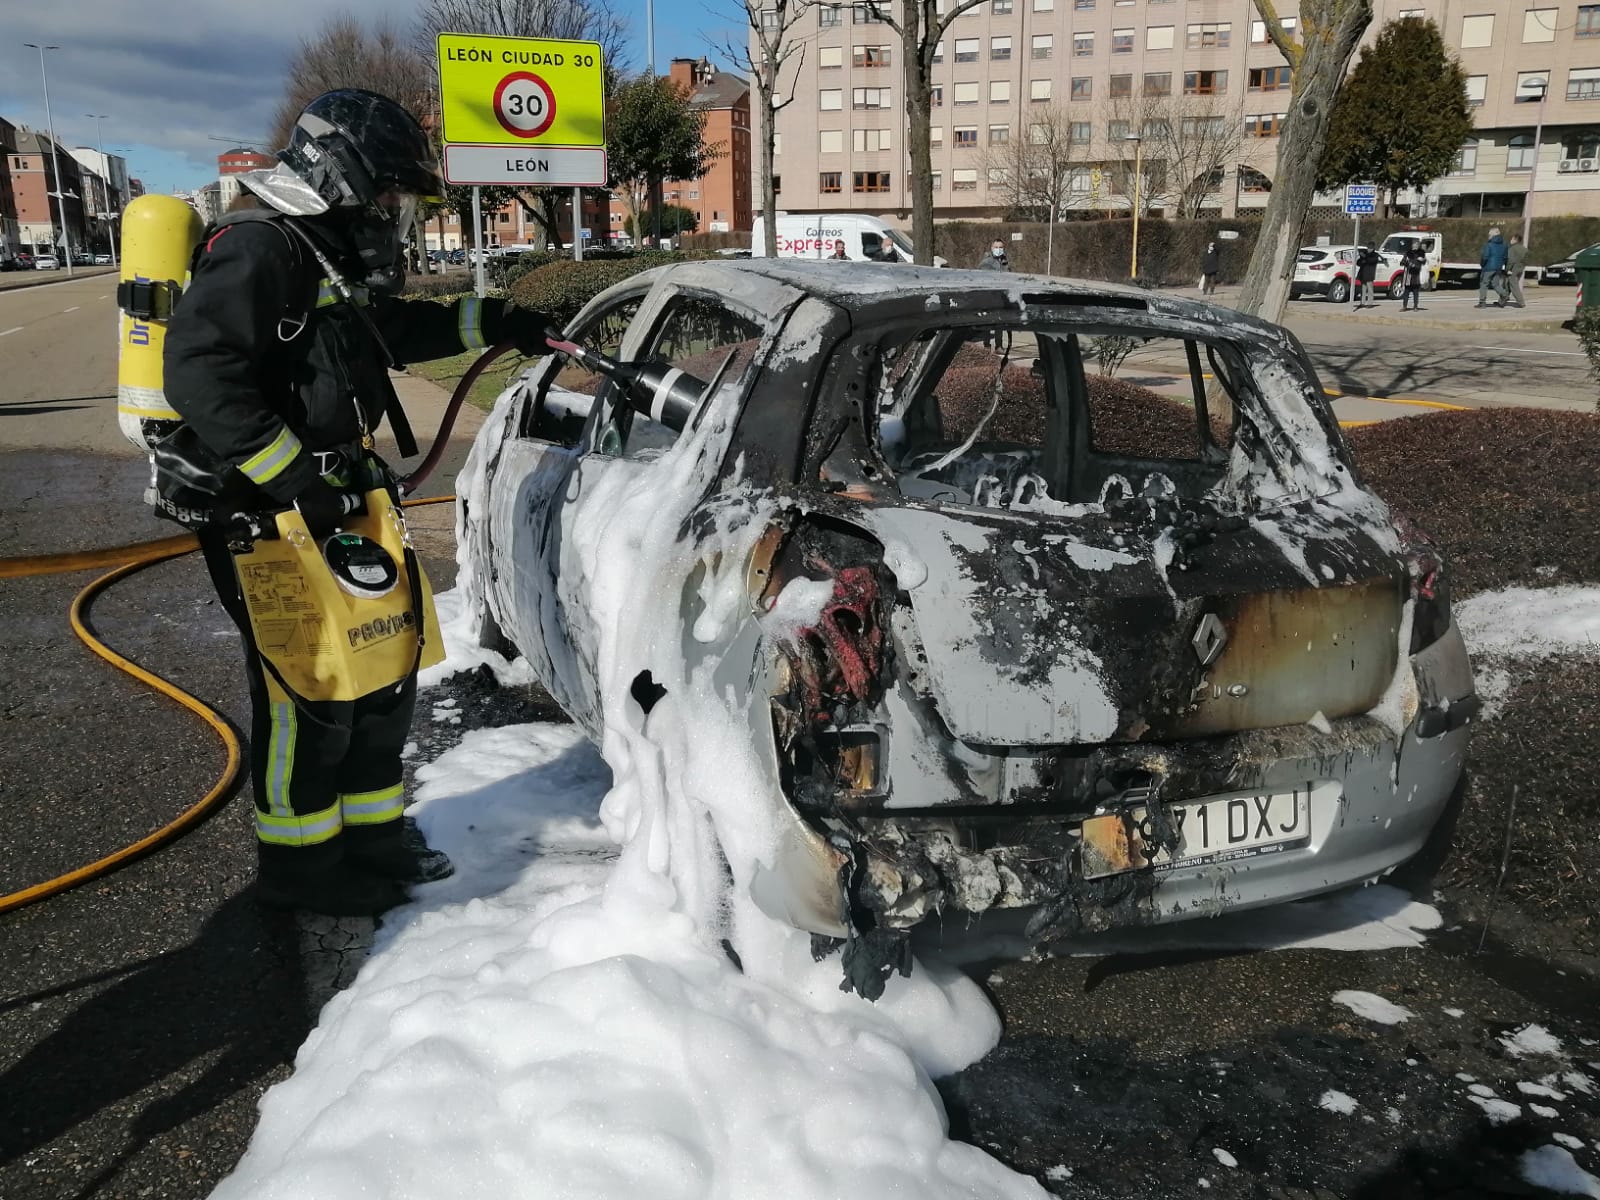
173,75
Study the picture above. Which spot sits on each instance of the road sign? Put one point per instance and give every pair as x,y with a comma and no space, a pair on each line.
1361,199
522,111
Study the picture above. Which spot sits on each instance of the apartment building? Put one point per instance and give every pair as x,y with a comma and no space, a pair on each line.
721,197
46,211
1006,63
10,228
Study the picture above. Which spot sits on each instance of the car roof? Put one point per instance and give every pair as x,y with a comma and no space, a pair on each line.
858,287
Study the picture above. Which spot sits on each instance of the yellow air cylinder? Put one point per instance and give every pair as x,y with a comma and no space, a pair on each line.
159,234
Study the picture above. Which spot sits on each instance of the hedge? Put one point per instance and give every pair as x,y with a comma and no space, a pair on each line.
561,289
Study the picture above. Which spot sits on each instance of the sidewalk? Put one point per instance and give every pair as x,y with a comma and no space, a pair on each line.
1451,309
10,280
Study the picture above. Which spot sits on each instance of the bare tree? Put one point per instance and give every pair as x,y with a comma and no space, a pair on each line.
1187,144
1329,31
345,53
920,25
1034,170
575,20
770,47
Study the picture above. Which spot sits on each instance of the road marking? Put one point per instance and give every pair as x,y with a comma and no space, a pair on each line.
1396,400
13,329
107,296
1523,350
65,311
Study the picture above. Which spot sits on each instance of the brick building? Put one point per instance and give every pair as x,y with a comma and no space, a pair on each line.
1006,63
721,198
241,159
10,229
41,216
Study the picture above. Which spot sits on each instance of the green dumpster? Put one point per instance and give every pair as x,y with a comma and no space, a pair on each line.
1588,265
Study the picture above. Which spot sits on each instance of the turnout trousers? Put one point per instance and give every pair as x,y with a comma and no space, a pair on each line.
327,775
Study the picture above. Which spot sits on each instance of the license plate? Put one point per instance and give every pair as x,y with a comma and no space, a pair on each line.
1215,829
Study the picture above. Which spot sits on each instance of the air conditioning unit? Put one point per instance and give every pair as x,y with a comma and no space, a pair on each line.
1586,164
1567,164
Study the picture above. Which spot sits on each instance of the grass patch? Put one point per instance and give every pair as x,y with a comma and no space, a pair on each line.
447,372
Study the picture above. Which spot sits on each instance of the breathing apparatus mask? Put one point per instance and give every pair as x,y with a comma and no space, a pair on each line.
362,161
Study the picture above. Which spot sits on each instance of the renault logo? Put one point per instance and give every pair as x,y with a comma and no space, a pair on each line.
1209,639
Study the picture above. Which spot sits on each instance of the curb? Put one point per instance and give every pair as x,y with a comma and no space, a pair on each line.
1510,325
59,276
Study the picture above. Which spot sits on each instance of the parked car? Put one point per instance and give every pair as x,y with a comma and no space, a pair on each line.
1331,271
8,262
1566,271
45,262
1097,650
102,260
24,260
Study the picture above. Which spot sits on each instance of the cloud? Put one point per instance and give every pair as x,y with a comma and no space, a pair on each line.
169,74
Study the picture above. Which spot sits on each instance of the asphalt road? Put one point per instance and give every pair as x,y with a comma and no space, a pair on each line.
141,1016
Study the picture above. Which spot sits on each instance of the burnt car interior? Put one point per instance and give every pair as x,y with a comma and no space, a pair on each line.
962,423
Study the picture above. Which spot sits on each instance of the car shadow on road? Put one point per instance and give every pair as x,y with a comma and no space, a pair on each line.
233,996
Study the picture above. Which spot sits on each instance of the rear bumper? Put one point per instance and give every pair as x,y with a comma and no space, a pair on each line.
1375,801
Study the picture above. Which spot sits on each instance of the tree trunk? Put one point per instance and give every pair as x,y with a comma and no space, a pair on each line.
918,94
1330,32
767,86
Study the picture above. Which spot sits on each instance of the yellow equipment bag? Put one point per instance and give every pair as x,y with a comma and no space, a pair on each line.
342,631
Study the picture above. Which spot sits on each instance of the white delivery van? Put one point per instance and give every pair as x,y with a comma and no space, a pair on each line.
866,239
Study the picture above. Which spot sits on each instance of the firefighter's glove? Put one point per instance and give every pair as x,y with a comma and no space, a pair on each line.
323,508
528,328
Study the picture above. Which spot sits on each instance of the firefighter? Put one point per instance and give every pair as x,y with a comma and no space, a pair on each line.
276,358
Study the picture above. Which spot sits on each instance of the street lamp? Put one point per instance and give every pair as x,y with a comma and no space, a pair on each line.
105,165
1138,171
1543,87
55,156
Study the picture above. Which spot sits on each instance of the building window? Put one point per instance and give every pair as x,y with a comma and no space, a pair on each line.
964,93
865,14
1083,5
1477,88
870,56
1584,144
936,135
777,143
777,185
1082,45
1158,37
869,181
1252,180
1082,87
1583,83
1264,125
938,51
1038,135
1521,153
828,16
830,99
1000,49
936,97
1043,45
1039,90
938,181
964,179
1531,87
1122,41
1000,91
1209,35
1001,8
867,141
1158,83
1044,5
831,141
769,18
1588,21
1466,160
830,58
1080,133
1121,87
1258,29
1269,79
999,135
967,50
869,98
828,183
1477,32
966,136
999,177
1539,25
1205,83
1118,131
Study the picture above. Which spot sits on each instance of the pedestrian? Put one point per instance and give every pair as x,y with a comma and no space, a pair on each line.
840,253
1210,264
1414,263
1516,261
995,260
1367,260
277,358
1491,265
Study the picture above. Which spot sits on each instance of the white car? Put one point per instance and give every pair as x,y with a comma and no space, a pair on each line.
1331,271
45,262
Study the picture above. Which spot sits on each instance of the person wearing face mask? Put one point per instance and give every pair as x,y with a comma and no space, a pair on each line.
996,260
277,359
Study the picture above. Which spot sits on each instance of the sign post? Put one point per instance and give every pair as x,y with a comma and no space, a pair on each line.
522,112
1360,200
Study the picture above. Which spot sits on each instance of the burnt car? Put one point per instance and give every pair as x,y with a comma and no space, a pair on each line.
1104,626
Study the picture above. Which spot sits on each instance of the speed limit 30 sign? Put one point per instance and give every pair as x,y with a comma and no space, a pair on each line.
522,111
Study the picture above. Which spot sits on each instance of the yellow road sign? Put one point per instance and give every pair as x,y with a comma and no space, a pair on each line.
497,91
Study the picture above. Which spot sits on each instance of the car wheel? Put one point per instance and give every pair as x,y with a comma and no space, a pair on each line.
1397,287
1339,291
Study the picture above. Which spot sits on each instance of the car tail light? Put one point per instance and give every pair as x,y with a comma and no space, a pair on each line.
1430,586
1320,266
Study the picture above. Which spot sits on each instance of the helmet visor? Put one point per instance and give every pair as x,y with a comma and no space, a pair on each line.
400,207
